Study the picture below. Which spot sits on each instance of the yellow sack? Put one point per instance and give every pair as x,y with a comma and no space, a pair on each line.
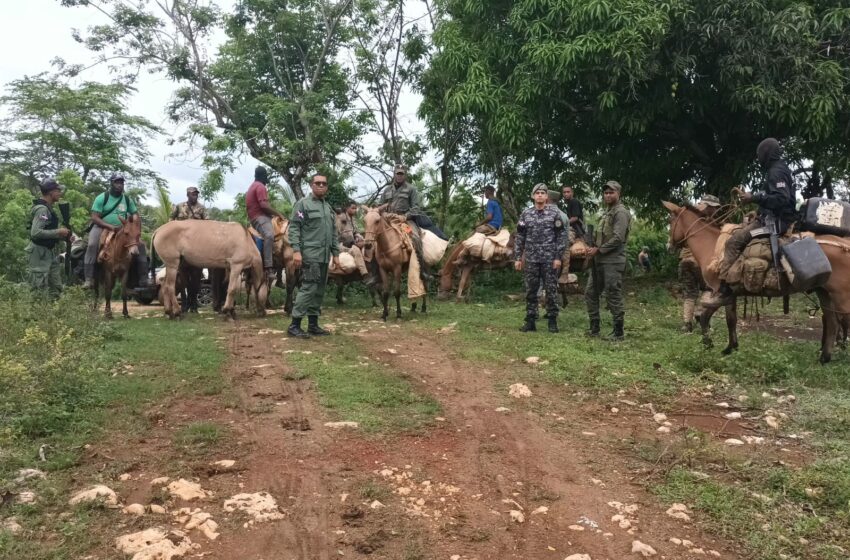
725,233
433,248
346,265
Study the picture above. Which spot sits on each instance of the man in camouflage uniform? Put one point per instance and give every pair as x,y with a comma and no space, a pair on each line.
609,262
190,210
690,276
314,240
400,197
347,233
540,239
45,235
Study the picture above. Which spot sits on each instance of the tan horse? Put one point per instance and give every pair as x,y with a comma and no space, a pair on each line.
392,257
688,227
210,244
471,265
122,250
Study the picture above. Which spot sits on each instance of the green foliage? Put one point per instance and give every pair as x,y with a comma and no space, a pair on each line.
652,93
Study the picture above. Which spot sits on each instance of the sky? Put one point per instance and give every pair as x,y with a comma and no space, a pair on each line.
34,32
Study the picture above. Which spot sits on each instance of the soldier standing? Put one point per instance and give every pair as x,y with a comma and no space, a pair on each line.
690,276
190,210
609,262
314,240
45,235
540,241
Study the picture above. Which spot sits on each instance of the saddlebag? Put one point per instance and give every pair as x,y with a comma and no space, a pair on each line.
826,217
805,264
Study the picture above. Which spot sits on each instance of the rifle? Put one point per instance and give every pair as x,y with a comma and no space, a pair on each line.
65,212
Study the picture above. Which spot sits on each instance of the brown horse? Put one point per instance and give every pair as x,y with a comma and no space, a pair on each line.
471,265
122,250
689,227
210,244
392,256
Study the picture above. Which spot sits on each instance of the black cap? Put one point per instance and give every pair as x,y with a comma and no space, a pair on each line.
116,177
50,184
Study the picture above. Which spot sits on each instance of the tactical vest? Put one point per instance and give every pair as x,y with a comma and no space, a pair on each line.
52,224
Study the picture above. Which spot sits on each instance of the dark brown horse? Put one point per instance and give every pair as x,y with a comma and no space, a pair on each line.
120,253
689,227
392,256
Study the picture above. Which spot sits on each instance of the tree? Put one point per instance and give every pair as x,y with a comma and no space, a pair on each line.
653,92
274,89
53,126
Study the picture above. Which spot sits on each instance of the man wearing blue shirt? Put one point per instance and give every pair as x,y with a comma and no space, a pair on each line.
492,222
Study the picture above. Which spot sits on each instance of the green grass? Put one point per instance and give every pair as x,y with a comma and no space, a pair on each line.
361,391
199,437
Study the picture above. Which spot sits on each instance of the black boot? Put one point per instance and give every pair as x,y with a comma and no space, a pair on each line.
314,328
617,334
594,328
294,329
553,325
529,325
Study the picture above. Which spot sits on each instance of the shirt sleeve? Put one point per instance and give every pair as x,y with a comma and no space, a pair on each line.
296,222
519,244
174,212
202,215
131,206
619,231
560,234
261,193
778,194
40,219
334,235
414,201
97,205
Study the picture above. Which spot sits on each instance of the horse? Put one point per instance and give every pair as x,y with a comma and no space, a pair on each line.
471,264
210,244
392,256
120,253
689,227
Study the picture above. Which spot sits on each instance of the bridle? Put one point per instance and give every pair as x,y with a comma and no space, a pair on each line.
718,217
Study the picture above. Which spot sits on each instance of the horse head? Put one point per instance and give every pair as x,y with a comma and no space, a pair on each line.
129,236
372,226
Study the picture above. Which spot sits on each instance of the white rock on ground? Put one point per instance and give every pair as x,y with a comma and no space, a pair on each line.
733,441
26,498
578,557
503,409
643,549
29,474
11,525
125,477
772,422
134,509
663,430
519,391
197,519
155,544
96,493
341,425
161,481
517,516
261,506
540,510
659,417
679,511
186,490
156,508
733,416
225,463
532,360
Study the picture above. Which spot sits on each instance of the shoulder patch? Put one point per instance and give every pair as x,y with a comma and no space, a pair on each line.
559,223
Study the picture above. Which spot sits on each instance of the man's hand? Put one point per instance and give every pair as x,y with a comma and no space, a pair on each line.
592,251
334,260
296,260
556,264
743,196
63,232
518,265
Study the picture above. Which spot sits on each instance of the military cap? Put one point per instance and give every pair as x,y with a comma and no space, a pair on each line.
540,187
613,185
118,176
50,184
710,200
192,189
554,195
400,168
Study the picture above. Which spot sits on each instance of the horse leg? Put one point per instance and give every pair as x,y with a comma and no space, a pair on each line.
830,327
397,291
109,284
385,293
705,325
124,295
464,280
731,326
339,289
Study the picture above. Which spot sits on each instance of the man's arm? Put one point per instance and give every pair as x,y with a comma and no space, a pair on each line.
561,238
414,202
519,242
203,213
778,195
295,224
265,206
38,230
620,229
334,234
174,212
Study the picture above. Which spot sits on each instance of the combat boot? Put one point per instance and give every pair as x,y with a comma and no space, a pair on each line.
617,334
529,325
294,329
313,327
553,325
594,328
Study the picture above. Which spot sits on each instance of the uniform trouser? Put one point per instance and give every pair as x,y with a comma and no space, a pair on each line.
90,260
314,278
265,228
45,272
355,252
605,279
736,244
690,279
537,274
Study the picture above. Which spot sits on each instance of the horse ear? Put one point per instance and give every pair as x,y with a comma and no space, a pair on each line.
672,208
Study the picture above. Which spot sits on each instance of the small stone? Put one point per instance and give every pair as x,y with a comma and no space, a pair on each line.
698,551
96,493
753,440
11,525
722,405
772,422
29,474
733,416
186,490
540,510
576,528
158,509
391,351
614,410
714,553
687,544
676,541
663,430
517,516
532,360
589,434
503,409
134,509
659,417
519,391
643,549
26,498
225,463
621,520
454,557
161,481
341,425
376,505
679,511
733,441
125,477
578,557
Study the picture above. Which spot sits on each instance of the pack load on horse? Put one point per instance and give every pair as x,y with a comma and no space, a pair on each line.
213,245
478,251
388,236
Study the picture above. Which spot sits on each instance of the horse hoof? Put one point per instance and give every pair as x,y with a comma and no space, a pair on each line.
707,343
126,315
726,351
825,358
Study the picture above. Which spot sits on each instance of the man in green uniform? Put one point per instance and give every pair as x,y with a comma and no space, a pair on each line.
401,197
314,240
45,235
609,262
